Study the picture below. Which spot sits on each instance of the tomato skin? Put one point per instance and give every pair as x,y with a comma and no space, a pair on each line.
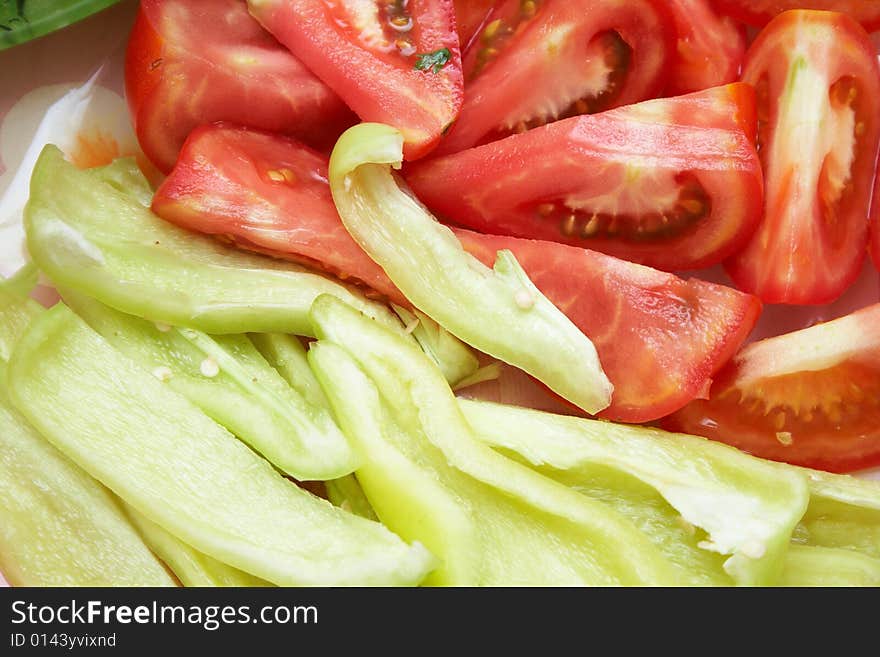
629,161
470,17
809,398
175,82
875,224
710,48
761,12
818,143
387,87
264,193
533,80
660,338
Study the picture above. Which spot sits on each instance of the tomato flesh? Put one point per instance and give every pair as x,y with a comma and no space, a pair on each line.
818,88
710,48
660,338
875,225
265,193
761,12
197,61
392,61
674,183
539,61
470,16
811,397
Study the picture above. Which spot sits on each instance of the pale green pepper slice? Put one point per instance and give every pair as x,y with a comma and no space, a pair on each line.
174,465
190,566
820,566
23,281
718,499
492,521
288,356
844,512
347,494
498,311
58,526
90,236
232,383
16,313
454,358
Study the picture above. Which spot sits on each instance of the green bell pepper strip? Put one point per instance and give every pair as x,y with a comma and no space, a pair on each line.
228,379
492,521
748,508
190,566
23,281
455,359
347,494
173,464
16,313
498,311
58,526
821,566
288,356
844,512
89,236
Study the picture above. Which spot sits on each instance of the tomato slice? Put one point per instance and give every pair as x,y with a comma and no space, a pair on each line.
761,12
392,61
875,224
818,87
710,48
265,193
470,16
673,183
811,397
660,338
196,61
543,60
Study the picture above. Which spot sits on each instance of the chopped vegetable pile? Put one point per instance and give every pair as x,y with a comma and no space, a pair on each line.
278,361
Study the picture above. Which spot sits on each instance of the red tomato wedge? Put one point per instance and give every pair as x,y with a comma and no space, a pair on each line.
811,397
818,88
875,225
393,61
761,12
672,183
266,193
710,48
543,60
197,61
470,16
660,338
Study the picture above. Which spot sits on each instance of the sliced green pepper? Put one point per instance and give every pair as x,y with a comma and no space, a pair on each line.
16,313
22,281
716,498
347,493
454,358
190,566
499,311
173,464
232,383
821,566
58,526
90,236
844,512
288,356
491,520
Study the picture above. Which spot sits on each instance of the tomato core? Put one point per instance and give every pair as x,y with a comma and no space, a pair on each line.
611,54
691,205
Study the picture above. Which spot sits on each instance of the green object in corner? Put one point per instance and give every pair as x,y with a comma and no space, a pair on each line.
23,20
